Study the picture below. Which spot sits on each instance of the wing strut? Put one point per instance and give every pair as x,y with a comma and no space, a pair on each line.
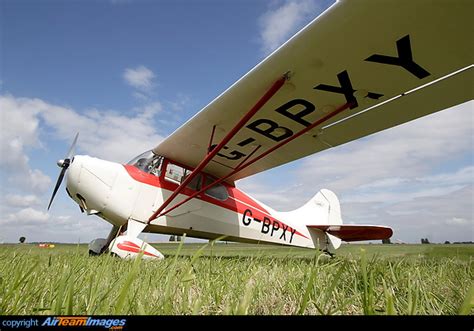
210,141
260,103
243,165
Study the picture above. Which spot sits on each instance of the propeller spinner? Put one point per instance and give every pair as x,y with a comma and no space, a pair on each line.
63,164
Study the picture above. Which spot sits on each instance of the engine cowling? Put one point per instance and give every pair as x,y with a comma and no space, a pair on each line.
128,247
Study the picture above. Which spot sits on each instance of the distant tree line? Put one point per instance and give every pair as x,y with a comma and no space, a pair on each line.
426,241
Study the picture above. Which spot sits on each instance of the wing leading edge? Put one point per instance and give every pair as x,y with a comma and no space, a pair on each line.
391,61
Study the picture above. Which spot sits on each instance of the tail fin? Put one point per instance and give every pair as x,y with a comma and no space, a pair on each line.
322,209
322,216
331,209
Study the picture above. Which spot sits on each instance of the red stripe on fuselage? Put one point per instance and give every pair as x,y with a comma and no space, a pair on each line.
153,180
239,204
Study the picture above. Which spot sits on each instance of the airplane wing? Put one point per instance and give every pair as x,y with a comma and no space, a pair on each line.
390,61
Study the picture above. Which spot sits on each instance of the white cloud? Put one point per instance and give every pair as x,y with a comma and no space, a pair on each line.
106,134
140,96
19,130
149,110
182,101
408,150
460,176
18,200
440,218
35,180
397,194
27,216
26,123
19,133
458,221
37,225
385,182
140,78
279,23
395,189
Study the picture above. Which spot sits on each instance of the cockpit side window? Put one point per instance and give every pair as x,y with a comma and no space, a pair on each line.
195,183
218,191
148,162
174,173
178,174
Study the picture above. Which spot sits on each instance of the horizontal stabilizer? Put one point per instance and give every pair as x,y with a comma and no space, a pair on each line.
355,232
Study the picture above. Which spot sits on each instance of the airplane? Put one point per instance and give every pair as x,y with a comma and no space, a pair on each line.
358,68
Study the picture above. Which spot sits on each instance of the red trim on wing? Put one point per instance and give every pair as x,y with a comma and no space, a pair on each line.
259,211
132,247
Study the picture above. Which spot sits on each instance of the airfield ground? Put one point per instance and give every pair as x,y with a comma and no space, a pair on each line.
239,279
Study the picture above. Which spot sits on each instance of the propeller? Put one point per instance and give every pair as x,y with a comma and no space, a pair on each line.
63,164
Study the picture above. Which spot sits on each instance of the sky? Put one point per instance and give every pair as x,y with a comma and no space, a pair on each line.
127,73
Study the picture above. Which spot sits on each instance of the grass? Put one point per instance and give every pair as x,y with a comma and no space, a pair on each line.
239,279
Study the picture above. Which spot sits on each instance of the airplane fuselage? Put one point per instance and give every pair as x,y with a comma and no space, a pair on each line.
118,193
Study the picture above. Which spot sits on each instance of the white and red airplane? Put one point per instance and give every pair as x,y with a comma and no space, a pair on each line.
358,68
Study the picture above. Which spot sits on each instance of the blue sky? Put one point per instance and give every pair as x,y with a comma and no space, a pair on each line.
195,48
127,73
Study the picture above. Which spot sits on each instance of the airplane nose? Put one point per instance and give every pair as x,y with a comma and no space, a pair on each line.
89,182
101,170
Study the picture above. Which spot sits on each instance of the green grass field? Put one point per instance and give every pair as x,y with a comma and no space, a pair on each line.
239,279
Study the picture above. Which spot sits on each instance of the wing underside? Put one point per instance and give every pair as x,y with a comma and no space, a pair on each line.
391,61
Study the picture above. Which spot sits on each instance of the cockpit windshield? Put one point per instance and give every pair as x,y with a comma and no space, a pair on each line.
148,162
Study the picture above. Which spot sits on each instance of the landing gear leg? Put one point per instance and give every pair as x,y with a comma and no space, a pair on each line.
99,246
326,250
129,246
329,253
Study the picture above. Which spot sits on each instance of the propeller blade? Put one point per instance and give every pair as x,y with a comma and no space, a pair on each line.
64,164
71,149
58,184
